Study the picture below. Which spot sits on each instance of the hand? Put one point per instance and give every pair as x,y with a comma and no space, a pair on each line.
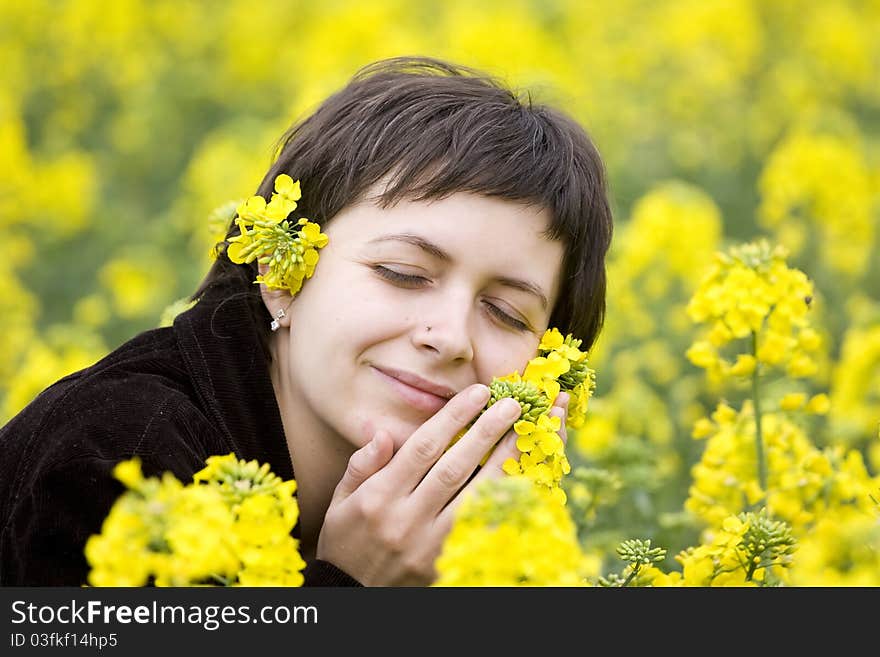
390,512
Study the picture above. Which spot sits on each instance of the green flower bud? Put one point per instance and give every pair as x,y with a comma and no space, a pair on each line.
577,373
238,479
532,401
636,551
767,539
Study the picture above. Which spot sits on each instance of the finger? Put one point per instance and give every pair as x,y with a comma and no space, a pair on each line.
562,414
560,410
364,463
562,400
507,450
494,465
422,449
492,468
458,463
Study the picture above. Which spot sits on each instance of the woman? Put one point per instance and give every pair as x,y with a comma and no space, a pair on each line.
462,222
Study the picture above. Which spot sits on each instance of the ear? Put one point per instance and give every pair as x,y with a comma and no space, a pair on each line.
275,300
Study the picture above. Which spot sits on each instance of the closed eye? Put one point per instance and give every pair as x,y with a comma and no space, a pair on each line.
413,281
408,280
504,317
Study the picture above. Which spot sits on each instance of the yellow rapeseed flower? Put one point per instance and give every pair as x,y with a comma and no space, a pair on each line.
819,404
265,235
793,401
751,295
509,532
231,526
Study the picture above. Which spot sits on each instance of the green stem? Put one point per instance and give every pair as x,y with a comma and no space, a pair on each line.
222,581
759,436
632,575
750,571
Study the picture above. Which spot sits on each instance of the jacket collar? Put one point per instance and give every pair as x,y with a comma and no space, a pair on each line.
218,340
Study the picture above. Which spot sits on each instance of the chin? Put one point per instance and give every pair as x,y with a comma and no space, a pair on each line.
399,430
366,426
374,416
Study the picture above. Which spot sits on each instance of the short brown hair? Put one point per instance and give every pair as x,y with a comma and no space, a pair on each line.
433,128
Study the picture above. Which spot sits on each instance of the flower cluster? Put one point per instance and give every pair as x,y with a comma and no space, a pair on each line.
800,199
752,293
266,236
748,549
562,366
803,482
559,366
855,388
841,549
229,527
639,557
509,532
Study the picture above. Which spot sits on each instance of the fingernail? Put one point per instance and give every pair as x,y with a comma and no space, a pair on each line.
564,398
480,394
511,408
373,446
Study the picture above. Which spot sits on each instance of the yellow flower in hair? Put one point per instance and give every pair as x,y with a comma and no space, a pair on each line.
288,189
268,237
250,211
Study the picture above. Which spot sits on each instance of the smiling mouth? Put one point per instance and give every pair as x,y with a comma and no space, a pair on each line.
413,396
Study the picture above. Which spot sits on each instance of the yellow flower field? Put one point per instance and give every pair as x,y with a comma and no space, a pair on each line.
733,436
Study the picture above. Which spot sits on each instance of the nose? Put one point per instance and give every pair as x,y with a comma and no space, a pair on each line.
445,329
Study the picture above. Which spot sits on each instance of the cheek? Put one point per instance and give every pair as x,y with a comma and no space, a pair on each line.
499,358
337,308
348,300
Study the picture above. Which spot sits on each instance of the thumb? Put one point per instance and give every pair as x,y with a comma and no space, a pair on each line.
364,463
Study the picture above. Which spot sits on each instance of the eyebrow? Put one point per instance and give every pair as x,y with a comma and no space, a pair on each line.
440,254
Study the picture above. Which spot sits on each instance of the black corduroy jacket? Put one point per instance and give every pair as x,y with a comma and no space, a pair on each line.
172,396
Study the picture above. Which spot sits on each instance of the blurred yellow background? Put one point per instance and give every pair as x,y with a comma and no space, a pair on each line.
125,124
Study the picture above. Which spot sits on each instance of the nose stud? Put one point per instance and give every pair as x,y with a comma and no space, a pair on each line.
428,329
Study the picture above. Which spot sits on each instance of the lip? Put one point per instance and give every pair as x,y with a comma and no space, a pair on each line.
416,391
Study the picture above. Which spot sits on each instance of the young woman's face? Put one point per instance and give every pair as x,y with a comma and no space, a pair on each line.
411,304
